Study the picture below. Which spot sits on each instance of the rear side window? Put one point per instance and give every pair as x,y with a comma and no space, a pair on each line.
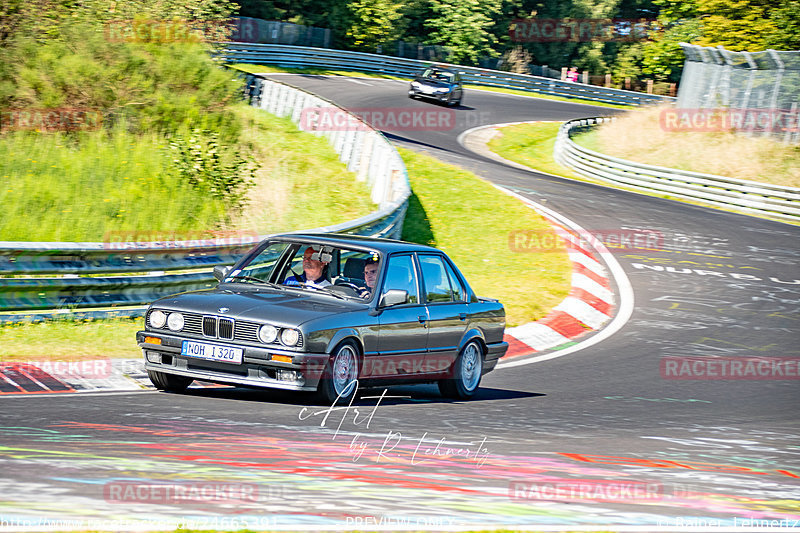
435,279
459,294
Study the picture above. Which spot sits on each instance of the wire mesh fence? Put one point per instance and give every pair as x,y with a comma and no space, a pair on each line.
757,93
251,30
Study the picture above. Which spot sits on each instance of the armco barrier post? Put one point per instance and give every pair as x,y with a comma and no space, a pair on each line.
347,146
354,164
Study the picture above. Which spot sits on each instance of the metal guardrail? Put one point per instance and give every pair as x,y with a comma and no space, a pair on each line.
307,57
48,280
749,196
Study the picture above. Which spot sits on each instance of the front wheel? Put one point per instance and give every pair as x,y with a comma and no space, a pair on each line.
466,374
340,380
168,382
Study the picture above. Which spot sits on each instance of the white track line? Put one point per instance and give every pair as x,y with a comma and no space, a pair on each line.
623,283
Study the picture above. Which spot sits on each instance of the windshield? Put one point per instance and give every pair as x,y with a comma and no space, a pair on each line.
337,271
439,75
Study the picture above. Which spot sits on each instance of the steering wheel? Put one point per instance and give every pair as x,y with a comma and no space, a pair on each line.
349,285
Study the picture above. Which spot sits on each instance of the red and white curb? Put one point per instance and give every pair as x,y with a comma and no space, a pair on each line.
590,304
71,376
76,376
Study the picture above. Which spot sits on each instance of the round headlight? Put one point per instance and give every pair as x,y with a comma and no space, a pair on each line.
268,333
175,321
158,319
289,337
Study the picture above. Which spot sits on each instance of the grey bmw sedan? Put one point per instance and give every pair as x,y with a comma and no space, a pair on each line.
328,313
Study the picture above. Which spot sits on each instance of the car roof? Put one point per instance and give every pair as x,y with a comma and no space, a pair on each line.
386,246
440,69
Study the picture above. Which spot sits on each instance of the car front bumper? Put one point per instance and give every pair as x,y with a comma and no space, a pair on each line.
442,97
257,368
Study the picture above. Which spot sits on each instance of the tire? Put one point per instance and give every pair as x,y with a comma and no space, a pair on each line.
466,374
168,382
340,379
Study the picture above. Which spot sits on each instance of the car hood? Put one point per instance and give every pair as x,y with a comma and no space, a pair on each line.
435,83
283,308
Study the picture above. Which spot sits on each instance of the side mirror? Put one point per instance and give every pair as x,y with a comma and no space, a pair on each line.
220,272
394,297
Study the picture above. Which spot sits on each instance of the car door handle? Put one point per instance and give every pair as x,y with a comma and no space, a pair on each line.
422,319
462,316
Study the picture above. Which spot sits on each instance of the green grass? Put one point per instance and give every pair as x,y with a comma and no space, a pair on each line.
301,184
473,222
56,189
70,340
590,140
531,145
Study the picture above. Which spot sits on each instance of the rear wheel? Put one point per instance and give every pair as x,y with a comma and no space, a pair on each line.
168,382
340,380
466,374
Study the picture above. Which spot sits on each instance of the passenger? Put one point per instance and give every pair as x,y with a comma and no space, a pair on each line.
370,277
313,272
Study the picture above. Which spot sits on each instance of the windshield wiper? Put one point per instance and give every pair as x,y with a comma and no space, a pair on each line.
304,286
248,278
258,280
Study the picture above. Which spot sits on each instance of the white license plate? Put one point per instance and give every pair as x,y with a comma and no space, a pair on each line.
212,352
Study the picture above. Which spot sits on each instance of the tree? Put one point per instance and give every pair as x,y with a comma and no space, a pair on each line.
463,26
663,58
371,23
787,22
737,24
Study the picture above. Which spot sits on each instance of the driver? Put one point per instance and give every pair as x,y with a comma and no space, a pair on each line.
313,272
370,276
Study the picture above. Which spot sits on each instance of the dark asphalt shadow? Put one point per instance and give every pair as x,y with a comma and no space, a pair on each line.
410,141
394,395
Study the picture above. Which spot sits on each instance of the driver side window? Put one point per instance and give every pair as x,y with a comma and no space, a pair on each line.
400,275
